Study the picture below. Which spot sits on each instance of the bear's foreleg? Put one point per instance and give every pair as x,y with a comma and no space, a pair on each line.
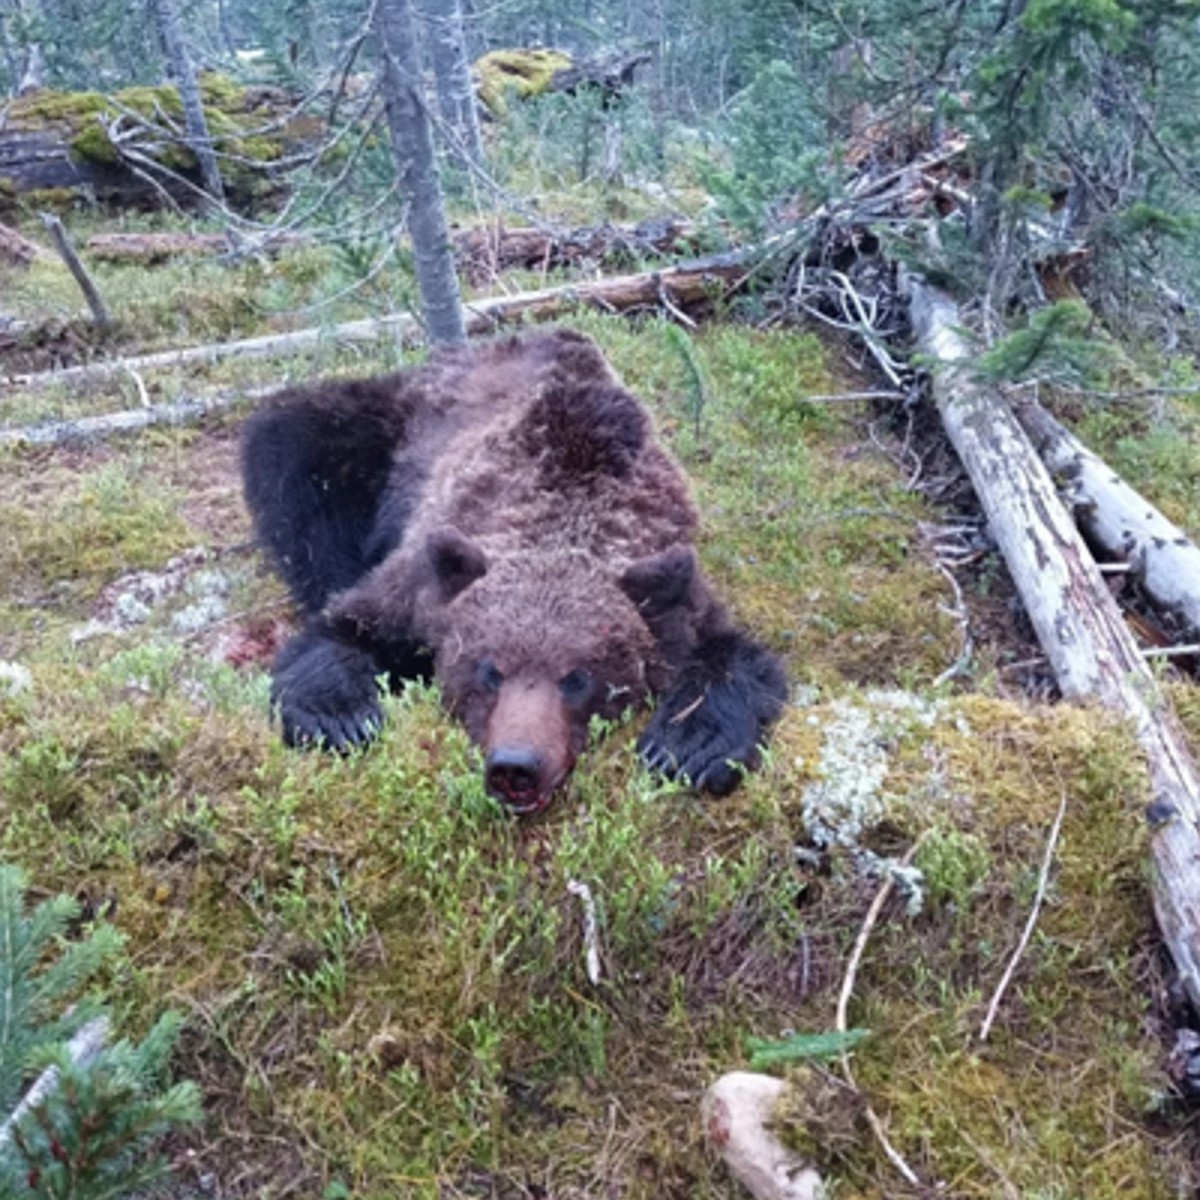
713,718
315,465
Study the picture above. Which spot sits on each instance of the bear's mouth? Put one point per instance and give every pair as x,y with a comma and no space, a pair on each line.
526,804
521,787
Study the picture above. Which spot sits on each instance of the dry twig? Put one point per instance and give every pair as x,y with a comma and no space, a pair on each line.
1030,924
843,1005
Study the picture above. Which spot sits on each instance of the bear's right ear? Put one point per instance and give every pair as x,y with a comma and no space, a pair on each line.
457,562
660,582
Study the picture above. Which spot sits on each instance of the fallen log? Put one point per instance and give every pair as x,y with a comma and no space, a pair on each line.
17,250
1119,520
150,249
62,143
1077,622
679,286
481,251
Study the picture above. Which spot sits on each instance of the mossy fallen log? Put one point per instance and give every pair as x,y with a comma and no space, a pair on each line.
127,150
502,74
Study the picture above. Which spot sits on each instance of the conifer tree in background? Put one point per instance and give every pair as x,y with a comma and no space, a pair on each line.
87,1132
452,75
417,172
199,139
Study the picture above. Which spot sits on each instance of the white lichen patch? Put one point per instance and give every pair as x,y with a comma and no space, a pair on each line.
136,599
14,678
850,797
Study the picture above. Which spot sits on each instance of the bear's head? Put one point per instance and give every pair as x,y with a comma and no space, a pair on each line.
529,647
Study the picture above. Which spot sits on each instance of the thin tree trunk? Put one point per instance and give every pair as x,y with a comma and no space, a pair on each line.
199,139
452,74
33,72
416,168
1091,651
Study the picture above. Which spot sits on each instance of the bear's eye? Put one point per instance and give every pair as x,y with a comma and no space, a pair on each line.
576,686
489,675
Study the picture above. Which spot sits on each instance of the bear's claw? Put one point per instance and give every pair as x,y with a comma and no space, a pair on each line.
708,728
325,692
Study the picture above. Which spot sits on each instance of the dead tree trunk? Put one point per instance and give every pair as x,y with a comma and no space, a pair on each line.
199,139
416,168
452,77
1115,518
87,285
1073,613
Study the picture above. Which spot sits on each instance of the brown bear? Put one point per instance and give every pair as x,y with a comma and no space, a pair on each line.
504,519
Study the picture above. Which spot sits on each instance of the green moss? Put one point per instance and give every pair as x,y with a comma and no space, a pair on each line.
59,200
222,92
370,935
522,73
46,106
92,143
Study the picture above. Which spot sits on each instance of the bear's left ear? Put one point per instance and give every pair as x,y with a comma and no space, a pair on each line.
457,561
660,582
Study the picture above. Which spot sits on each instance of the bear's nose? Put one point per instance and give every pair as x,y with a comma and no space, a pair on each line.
514,774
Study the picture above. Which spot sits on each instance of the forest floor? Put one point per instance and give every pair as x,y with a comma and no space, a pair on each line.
383,976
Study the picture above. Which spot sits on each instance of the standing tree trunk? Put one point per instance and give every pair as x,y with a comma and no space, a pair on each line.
452,73
416,169
28,71
199,139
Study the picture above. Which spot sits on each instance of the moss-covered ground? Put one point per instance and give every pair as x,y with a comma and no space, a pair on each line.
383,977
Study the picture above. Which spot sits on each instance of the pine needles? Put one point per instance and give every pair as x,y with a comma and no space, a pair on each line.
84,1127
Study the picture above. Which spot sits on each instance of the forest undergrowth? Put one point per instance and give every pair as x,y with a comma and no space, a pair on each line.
382,977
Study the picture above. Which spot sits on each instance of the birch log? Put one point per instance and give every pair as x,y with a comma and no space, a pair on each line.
1116,518
1076,619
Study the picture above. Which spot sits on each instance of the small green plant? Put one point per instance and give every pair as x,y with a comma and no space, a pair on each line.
1057,344
84,1132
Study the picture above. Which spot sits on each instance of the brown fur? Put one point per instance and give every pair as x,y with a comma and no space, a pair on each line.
534,535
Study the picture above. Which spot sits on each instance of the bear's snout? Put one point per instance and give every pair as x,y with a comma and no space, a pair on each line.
514,776
527,744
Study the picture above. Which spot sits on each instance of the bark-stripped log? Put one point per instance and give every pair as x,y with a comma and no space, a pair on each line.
1073,613
1118,520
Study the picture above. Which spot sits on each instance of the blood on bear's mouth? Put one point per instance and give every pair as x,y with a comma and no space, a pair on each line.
516,776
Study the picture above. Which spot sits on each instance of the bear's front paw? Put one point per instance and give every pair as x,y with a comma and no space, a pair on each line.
325,693
710,724
706,740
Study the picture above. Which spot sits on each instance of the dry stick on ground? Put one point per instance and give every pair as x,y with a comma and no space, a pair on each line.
1077,622
1043,881
1117,519
685,283
88,429
843,1007
91,292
